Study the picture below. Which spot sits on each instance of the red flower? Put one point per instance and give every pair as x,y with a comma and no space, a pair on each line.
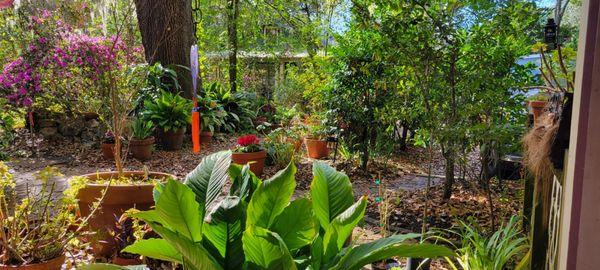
247,140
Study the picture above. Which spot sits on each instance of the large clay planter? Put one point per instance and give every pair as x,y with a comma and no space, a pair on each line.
205,137
118,199
537,107
256,160
125,261
316,148
52,264
141,149
108,151
172,140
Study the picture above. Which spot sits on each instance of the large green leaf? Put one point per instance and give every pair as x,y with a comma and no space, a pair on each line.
331,192
266,250
178,210
385,248
341,228
223,233
271,197
209,177
193,255
155,248
244,181
296,224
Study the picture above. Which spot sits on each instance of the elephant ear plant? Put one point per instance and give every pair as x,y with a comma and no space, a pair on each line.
258,226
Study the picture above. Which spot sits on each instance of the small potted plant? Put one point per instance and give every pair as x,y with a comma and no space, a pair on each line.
36,230
170,113
316,143
211,118
249,150
108,145
125,233
142,142
537,104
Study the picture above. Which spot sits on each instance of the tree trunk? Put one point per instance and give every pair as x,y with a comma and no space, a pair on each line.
450,157
167,34
232,20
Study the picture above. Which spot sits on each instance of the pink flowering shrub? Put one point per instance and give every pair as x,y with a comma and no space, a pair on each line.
62,60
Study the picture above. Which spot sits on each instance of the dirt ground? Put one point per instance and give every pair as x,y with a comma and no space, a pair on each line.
404,177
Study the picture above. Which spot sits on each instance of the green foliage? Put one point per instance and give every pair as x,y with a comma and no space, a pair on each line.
506,246
169,111
280,147
257,227
35,227
158,78
142,129
225,111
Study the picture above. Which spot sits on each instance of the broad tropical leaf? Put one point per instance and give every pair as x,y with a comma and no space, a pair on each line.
223,233
155,248
296,225
331,192
178,210
385,248
271,197
209,177
193,254
244,181
341,228
265,250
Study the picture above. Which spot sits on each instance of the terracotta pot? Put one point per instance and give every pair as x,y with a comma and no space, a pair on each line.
108,150
118,199
172,140
205,137
52,264
316,148
257,158
141,149
537,107
118,260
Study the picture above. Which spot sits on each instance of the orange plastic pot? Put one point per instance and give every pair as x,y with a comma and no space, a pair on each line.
52,264
537,107
118,199
141,149
316,149
256,160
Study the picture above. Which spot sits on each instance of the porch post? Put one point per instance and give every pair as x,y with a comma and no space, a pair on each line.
579,246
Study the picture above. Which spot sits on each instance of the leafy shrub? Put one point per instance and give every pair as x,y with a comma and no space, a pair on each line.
504,247
142,129
258,227
157,78
236,108
169,111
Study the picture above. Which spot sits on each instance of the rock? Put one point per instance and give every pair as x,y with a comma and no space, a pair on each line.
92,124
49,132
71,127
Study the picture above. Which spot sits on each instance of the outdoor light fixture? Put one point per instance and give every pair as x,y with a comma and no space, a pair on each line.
551,34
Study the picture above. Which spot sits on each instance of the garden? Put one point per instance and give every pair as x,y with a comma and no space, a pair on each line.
298,134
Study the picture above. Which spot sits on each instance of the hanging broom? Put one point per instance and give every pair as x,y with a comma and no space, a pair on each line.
196,109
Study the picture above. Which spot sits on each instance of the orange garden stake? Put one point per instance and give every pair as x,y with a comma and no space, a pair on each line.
196,109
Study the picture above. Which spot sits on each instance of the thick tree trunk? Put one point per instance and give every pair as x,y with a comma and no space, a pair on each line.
232,20
167,34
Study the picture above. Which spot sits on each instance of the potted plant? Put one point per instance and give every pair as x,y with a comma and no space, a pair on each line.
170,113
316,144
108,145
35,230
259,224
126,232
142,142
211,118
250,151
537,104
